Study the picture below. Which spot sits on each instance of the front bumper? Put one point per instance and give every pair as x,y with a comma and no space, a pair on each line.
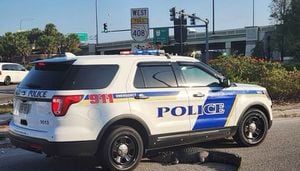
78,148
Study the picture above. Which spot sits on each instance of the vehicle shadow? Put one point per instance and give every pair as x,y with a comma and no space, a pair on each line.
222,143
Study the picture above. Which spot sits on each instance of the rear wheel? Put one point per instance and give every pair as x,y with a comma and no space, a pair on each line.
123,149
252,129
7,80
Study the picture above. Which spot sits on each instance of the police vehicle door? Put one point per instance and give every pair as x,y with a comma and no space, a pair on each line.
208,107
158,99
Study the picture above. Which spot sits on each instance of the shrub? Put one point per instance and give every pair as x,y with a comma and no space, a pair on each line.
280,83
292,66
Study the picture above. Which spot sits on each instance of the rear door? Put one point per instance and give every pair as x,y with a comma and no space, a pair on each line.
157,98
21,72
210,102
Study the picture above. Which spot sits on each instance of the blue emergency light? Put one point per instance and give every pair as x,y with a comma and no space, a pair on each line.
146,52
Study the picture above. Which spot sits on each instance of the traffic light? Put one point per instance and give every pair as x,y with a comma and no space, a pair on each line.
105,29
180,29
172,14
192,19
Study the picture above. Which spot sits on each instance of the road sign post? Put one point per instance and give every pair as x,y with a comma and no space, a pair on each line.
139,24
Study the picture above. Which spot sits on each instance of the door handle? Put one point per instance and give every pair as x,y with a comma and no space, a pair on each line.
141,96
198,95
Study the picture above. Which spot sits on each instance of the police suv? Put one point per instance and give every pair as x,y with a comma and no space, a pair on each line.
119,107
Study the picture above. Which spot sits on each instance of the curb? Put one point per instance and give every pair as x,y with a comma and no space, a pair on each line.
289,113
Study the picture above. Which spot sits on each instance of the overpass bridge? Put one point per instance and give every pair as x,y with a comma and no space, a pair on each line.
237,41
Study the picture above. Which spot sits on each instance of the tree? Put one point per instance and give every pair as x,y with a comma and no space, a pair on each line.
72,43
258,51
49,41
286,14
34,35
47,44
22,45
50,30
8,46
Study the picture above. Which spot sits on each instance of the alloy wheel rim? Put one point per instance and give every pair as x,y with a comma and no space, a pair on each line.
254,129
124,151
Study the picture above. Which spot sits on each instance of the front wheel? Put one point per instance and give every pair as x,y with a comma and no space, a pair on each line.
123,149
252,129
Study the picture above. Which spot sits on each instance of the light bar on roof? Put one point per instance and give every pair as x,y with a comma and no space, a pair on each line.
143,52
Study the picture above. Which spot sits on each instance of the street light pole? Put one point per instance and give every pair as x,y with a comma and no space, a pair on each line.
213,9
253,17
97,35
21,21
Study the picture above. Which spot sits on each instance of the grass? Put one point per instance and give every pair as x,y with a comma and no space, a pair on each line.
6,108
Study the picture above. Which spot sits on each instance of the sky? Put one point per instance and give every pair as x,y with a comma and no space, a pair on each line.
72,16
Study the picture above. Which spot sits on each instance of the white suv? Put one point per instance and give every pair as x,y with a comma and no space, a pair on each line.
11,73
120,107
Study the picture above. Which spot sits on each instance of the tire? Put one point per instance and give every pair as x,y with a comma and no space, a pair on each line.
7,80
123,149
252,128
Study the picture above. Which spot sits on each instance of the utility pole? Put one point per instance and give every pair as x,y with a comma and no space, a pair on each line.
97,35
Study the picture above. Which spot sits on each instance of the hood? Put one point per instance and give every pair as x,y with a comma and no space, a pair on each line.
248,86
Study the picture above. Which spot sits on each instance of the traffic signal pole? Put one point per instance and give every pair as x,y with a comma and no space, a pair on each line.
206,43
206,22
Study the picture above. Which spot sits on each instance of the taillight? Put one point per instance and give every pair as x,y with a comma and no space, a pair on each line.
61,104
0,73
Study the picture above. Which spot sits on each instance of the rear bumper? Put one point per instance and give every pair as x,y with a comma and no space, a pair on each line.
78,148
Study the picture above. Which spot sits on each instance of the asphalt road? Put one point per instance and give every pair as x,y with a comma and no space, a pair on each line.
280,151
6,93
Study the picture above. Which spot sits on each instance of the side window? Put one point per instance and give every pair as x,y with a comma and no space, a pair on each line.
195,76
5,67
12,67
15,67
155,77
20,68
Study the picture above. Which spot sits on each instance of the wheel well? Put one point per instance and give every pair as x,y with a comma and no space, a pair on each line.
263,109
140,128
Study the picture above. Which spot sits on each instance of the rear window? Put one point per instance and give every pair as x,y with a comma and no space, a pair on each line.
61,76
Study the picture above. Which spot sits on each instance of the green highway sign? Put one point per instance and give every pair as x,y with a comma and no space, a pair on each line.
83,37
161,35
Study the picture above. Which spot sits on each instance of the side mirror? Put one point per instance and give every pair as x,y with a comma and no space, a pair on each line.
23,69
225,82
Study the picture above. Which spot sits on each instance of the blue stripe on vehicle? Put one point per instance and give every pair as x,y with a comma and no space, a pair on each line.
217,96
215,120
